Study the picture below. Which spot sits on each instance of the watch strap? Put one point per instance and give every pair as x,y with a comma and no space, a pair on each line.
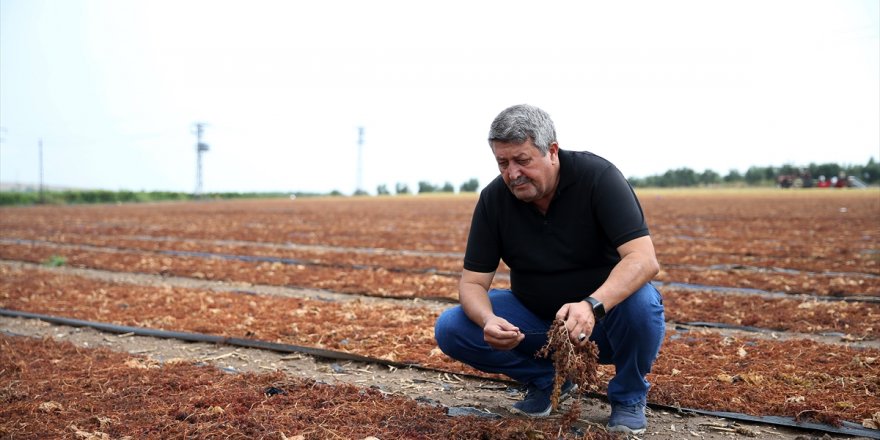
598,307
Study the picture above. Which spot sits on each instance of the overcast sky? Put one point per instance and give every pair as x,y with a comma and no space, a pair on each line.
113,88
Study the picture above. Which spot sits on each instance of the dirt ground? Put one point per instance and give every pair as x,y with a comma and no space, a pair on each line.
463,394
803,268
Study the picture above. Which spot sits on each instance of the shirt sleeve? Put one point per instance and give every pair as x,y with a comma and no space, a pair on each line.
482,253
617,208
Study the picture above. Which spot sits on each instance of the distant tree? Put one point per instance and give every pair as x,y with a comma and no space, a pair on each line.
733,176
787,169
755,175
679,177
447,188
360,192
709,177
870,173
828,170
469,186
637,182
335,193
401,188
382,190
426,187
761,176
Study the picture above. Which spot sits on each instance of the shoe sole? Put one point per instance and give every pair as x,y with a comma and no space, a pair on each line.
545,413
532,415
625,429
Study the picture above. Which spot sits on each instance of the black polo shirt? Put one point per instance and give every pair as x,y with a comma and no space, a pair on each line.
565,255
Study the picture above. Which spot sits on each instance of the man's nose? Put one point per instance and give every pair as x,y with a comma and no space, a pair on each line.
513,171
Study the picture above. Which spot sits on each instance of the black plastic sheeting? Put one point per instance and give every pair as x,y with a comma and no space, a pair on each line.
847,428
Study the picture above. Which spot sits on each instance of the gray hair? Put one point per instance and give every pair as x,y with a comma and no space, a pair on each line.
521,123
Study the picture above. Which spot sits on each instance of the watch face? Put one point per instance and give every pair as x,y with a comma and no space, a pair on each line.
598,308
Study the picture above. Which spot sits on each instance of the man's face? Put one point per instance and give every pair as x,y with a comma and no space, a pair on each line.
529,175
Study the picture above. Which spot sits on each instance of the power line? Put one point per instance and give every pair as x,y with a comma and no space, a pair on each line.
200,147
42,196
360,165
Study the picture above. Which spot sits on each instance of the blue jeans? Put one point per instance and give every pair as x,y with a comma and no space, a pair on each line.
629,338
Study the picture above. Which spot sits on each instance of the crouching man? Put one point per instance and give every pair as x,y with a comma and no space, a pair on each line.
571,229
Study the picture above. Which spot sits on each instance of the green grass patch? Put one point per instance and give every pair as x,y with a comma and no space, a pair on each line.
55,261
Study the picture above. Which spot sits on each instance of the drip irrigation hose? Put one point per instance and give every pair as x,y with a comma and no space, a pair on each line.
225,340
770,269
782,295
846,428
244,258
294,246
720,325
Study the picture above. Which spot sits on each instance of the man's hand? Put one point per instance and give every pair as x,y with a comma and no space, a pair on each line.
473,295
500,334
579,320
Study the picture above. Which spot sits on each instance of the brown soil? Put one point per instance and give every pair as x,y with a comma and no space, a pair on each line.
410,248
853,320
98,393
468,395
698,369
813,243
690,305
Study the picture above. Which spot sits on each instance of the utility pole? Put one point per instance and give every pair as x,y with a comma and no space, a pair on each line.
42,197
360,165
200,147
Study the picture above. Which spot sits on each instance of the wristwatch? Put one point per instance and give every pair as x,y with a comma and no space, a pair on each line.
598,308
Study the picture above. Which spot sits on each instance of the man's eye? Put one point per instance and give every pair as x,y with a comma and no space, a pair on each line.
502,165
524,162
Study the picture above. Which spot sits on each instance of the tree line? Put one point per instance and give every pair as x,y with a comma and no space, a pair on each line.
869,174
760,176
33,196
427,187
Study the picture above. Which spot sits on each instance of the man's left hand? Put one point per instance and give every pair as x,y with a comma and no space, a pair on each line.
579,321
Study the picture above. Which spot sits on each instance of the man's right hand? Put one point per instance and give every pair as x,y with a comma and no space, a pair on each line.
500,334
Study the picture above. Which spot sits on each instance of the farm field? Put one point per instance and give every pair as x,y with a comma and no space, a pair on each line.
772,300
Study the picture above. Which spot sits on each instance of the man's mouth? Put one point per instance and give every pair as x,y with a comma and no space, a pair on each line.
519,181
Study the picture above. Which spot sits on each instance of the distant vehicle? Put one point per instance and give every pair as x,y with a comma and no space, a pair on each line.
803,180
855,182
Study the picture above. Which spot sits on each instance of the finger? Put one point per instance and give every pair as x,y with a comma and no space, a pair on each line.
509,335
503,324
509,328
571,324
504,343
562,314
576,331
515,341
575,336
503,335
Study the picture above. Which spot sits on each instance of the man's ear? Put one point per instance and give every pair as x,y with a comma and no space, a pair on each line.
553,150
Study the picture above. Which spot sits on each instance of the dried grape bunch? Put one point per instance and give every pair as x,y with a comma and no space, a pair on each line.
574,362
